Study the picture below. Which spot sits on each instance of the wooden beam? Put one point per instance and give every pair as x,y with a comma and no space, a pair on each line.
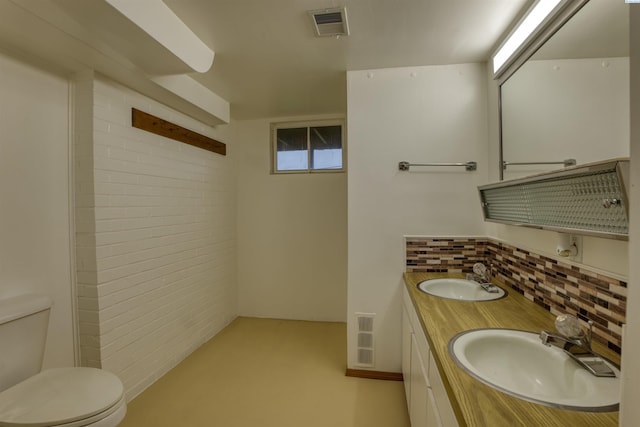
153,124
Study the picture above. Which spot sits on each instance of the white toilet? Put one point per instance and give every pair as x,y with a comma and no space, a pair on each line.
64,397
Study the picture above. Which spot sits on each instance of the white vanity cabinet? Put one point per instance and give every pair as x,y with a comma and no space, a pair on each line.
419,389
427,400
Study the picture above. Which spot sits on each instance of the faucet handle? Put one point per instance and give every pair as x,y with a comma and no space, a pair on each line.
479,269
569,326
590,322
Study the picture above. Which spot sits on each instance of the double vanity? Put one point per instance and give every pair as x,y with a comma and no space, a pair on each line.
474,357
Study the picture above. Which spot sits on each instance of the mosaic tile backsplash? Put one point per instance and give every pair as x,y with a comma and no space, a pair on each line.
557,286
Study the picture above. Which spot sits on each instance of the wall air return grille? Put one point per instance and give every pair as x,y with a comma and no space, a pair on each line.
365,341
330,22
589,199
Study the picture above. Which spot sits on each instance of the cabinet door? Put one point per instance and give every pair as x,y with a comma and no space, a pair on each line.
407,333
418,389
441,399
433,416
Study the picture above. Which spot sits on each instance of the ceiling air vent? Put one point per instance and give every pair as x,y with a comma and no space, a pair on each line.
330,22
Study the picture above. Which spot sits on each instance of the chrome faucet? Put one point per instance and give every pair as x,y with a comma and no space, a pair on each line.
482,275
573,346
577,345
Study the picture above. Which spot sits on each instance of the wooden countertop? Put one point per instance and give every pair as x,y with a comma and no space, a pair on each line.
474,403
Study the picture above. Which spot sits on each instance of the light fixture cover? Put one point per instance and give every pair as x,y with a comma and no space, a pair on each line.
532,20
589,199
156,19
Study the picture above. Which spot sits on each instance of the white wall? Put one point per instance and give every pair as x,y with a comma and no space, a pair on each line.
629,408
164,236
35,230
418,114
292,234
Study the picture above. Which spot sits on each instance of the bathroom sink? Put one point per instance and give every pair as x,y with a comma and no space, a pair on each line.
459,289
517,363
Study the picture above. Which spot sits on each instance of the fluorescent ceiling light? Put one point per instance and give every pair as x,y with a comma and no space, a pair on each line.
528,25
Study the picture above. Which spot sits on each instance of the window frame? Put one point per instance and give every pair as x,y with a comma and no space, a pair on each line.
308,124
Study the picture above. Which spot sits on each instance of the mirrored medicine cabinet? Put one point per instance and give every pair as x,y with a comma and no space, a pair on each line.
564,125
569,98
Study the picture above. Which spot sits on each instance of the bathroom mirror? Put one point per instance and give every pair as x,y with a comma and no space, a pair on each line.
570,99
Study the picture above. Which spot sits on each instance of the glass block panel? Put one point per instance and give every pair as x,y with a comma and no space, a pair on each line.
506,204
593,202
578,203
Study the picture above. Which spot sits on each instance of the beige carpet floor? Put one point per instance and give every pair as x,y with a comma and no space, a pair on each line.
269,373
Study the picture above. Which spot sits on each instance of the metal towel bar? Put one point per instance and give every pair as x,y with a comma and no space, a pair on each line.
470,166
567,162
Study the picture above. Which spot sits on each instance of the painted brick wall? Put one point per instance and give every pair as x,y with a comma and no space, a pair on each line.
164,237
557,285
86,270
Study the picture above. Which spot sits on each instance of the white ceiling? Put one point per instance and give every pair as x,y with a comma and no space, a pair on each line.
269,63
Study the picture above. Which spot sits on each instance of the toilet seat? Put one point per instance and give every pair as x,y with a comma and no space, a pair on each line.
67,397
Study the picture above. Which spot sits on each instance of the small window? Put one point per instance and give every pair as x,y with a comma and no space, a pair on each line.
308,147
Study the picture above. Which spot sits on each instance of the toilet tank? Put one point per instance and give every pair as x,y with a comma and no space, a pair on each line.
23,332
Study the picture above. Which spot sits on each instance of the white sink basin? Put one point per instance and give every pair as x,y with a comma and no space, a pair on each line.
459,289
517,363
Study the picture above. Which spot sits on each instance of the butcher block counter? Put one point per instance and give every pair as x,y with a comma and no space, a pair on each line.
474,403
